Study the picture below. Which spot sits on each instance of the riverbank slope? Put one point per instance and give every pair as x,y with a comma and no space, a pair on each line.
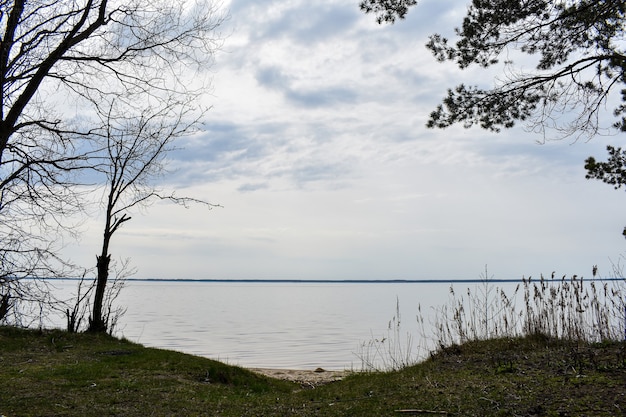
54,373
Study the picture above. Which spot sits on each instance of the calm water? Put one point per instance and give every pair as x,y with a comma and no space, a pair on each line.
274,325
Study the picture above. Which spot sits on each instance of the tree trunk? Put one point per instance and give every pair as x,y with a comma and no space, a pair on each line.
97,322
5,304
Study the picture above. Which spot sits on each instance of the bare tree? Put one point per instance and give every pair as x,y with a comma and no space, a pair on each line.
133,157
79,305
62,64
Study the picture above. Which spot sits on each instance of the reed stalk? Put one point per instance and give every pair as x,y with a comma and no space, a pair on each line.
571,309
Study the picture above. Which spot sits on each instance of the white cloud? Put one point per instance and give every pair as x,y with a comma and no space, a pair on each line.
317,149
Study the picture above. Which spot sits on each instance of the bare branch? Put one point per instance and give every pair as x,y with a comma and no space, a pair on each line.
86,86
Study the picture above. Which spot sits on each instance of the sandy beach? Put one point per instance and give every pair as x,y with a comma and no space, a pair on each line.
306,378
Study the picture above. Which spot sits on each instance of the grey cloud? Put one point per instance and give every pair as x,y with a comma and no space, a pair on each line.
220,142
217,153
550,155
275,79
307,22
255,154
322,97
311,25
312,172
250,187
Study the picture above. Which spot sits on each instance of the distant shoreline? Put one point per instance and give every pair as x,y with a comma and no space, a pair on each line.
346,281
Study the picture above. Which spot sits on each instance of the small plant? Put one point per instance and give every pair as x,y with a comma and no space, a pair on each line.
76,315
506,367
394,350
77,309
484,314
25,302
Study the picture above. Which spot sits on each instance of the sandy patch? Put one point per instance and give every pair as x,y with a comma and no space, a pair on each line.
304,377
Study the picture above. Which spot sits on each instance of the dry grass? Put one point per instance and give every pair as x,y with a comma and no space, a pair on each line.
569,309
566,308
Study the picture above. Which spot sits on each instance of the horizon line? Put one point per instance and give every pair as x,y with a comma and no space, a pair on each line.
350,281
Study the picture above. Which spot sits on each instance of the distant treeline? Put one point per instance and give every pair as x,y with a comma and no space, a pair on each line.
342,281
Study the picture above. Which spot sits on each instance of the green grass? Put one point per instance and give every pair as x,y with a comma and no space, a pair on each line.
53,373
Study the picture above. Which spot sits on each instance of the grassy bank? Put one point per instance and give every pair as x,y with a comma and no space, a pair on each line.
52,373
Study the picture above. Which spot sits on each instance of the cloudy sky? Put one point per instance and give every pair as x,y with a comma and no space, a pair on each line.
316,147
